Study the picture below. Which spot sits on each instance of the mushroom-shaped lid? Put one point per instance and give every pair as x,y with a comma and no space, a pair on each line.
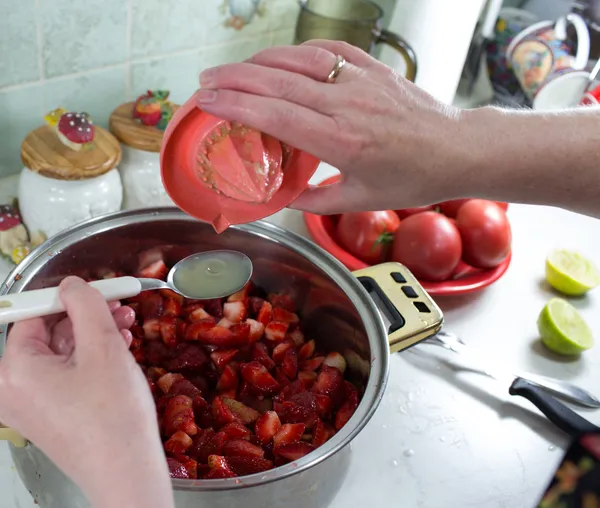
141,124
70,147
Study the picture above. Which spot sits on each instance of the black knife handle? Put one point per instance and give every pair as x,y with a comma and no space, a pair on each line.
560,415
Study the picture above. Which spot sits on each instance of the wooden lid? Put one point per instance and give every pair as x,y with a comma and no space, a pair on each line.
43,152
133,133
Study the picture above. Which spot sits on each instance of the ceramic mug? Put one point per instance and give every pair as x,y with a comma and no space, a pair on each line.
511,21
541,54
591,98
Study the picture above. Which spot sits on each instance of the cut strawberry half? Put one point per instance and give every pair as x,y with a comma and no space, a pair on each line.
330,382
236,430
178,443
168,330
157,270
177,469
229,379
151,304
267,426
275,331
260,353
243,413
235,311
219,468
307,350
242,448
258,376
222,357
288,434
243,466
284,316
294,451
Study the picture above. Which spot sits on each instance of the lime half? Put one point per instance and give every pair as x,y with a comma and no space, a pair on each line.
571,273
562,328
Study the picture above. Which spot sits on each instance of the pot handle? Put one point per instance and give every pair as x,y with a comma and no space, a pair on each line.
409,312
7,434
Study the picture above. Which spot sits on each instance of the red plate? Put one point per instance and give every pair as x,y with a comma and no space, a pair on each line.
185,138
465,279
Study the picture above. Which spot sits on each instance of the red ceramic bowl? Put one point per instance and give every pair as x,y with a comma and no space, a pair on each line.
183,139
465,279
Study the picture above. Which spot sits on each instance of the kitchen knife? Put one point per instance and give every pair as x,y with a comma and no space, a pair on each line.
478,363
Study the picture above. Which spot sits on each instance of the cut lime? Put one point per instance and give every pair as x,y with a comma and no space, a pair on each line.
571,273
562,328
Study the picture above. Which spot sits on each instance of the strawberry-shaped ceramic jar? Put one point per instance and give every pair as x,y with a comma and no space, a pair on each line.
70,173
139,126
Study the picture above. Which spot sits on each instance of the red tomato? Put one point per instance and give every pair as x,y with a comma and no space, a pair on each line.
450,208
429,245
367,234
407,212
485,233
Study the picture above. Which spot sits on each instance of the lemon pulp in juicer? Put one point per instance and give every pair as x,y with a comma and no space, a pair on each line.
209,277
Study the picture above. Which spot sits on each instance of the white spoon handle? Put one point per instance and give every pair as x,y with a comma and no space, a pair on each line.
43,302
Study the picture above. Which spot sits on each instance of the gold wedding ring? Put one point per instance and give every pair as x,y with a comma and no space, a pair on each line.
340,61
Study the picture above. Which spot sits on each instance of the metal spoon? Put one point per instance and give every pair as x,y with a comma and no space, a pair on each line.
201,276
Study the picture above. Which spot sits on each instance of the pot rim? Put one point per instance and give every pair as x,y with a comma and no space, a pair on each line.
337,272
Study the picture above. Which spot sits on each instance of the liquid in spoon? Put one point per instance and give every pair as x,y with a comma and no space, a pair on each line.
209,275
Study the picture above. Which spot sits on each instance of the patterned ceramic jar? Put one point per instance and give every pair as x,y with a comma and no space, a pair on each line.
70,173
139,127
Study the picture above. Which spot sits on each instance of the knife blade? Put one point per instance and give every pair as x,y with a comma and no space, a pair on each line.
482,365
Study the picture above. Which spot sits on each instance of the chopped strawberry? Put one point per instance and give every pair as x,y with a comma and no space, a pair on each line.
219,468
336,360
292,389
178,443
265,314
260,353
221,412
297,337
307,350
171,307
243,466
255,304
281,378
258,376
187,356
242,448
275,331
241,332
289,366
257,330
170,294
243,413
194,330
179,415
225,323
215,336
293,451
308,377
222,357
330,382
157,352
235,311
214,307
312,364
229,379
347,410
200,444
155,373
280,350
288,433
165,382
235,430
196,313
323,405
241,295
185,387
290,412
190,464
320,434
168,330
267,426
282,301
285,316
157,270
177,469
151,304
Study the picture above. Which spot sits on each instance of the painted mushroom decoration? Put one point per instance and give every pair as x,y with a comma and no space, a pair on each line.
15,243
75,130
153,109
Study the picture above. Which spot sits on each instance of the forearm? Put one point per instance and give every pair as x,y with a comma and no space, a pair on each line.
526,157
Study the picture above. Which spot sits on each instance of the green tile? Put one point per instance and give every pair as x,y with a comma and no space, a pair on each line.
234,52
219,13
96,93
80,36
18,44
163,27
21,110
178,74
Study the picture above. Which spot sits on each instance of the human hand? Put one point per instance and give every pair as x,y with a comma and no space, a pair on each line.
71,386
395,145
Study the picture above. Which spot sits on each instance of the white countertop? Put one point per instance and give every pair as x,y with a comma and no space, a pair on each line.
443,439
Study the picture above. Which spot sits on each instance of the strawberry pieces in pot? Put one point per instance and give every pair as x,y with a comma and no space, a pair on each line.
238,387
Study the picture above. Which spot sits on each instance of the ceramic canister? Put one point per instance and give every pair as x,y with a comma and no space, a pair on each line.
70,173
139,126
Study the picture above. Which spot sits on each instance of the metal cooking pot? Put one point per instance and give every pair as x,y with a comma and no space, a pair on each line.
337,309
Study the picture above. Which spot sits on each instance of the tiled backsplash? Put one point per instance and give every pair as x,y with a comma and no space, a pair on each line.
93,55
